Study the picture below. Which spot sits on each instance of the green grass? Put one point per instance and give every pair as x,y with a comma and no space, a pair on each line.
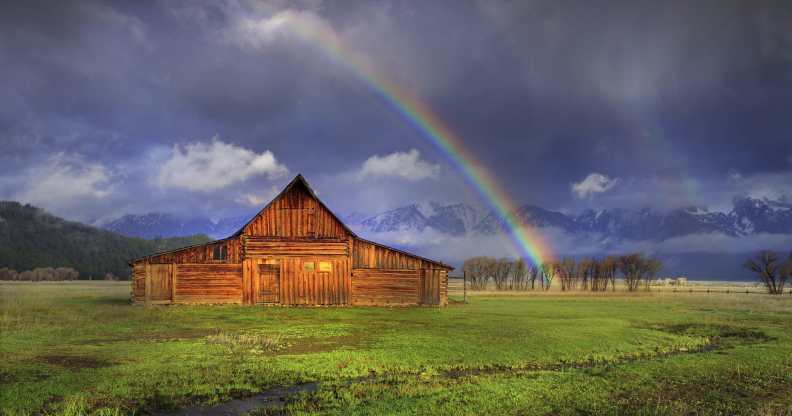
76,348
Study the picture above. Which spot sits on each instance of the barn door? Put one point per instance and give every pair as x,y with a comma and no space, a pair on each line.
430,290
159,283
269,283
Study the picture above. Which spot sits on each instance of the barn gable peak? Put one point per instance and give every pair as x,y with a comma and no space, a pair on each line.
299,182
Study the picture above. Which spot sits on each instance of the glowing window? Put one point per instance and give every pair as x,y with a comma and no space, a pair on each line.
308,266
325,266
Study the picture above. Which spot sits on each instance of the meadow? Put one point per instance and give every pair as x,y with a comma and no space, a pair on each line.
80,348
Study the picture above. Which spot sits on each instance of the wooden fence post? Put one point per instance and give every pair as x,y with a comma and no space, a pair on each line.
464,287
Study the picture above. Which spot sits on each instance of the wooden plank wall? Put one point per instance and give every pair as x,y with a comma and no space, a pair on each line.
296,214
139,282
201,254
443,287
257,246
159,284
386,287
301,287
366,255
208,283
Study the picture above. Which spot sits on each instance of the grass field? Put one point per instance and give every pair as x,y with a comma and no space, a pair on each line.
74,348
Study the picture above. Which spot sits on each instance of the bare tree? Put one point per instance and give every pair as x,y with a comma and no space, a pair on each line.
549,271
519,275
533,273
501,270
610,265
568,273
476,270
636,268
770,270
651,268
630,267
584,271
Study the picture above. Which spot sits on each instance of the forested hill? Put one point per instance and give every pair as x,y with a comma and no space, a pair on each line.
30,237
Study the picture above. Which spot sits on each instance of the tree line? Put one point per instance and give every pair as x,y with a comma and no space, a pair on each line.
40,274
594,274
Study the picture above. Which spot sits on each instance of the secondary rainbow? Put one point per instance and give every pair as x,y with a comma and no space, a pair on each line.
527,241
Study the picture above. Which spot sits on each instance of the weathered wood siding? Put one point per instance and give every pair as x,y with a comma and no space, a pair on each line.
367,255
299,286
257,246
208,283
296,214
386,287
159,282
201,254
434,287
139,282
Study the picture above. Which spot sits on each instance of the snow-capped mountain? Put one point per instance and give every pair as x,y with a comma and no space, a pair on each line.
154,225
455,219
528,215
748,216
752,215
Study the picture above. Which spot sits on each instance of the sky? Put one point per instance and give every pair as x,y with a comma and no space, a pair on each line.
210,107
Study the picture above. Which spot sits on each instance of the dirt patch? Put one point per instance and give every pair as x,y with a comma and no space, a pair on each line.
312,345
74,362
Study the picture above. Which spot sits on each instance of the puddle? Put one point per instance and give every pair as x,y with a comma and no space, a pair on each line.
270,399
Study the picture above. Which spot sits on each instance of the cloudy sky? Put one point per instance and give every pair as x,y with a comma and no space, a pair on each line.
209,107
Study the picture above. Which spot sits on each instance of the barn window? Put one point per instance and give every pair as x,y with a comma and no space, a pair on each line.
325,266
308,266
220,252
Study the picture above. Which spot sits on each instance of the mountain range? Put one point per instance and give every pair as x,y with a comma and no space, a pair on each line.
748,216
162,225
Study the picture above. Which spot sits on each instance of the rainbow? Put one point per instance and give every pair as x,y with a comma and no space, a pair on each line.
527,241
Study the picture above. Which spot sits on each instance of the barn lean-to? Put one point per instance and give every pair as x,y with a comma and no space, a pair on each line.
295,251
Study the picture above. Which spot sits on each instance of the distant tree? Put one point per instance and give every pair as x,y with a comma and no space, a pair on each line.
519,276
770,270
609,265
533,273
568,273
585,267
502,269
637,268
477,271
549,271
651,268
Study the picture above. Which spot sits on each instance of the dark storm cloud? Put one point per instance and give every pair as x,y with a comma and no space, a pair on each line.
657,94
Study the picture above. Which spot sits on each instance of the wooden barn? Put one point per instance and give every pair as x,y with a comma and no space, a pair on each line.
295,251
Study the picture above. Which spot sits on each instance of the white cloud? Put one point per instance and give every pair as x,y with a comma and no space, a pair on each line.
257,199
405,165
594,183
63,181
258,32
215,165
